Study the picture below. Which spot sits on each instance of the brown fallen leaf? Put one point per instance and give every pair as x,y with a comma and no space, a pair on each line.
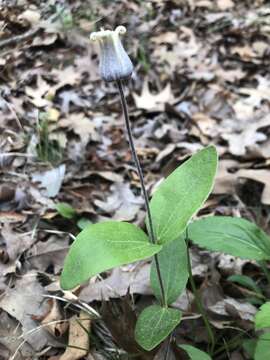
169,37
79,329
66,76
246,53
184,52
50,180
151,102
135,280
225,4
226,179
81,126
31,16
16,243
258,94
122,202
262,176
37,96
25,302
53,318
247,137
48,253
9,338
230,307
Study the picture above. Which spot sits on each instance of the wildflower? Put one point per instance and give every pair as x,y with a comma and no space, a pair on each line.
115,63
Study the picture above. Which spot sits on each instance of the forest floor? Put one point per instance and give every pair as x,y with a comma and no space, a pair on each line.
201,77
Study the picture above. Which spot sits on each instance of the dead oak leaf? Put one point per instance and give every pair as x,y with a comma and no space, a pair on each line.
230,307
153,102
246,53
225,4
78,340
53,319
24,302
69,97
121,202
132,279
37,95
185,48
31,16
10,338
247,138
47,254
16,243
66,76
81,126
226,179
50,180
257,95
260,175
169,37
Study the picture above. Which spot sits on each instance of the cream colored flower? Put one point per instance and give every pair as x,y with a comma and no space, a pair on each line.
115,63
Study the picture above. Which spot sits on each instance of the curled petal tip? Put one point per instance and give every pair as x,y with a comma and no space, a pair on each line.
121,29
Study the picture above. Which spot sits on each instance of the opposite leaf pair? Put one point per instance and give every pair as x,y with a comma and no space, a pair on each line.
102,246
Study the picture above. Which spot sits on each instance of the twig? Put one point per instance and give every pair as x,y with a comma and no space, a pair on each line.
19,38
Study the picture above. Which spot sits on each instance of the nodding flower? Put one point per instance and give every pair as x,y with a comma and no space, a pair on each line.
115,63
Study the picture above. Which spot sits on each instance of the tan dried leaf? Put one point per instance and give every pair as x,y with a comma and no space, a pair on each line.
82,126
53,318
31,16
262,176
248,137
78,337
225,4
169,37
225,180
37,95
151,102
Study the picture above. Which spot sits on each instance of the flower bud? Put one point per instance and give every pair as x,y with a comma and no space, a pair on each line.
115,63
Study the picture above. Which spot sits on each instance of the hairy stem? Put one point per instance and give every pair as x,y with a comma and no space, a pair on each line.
198,300
140,173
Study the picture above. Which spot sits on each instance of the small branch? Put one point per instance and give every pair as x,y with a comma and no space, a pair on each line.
140,173
19,38
198,300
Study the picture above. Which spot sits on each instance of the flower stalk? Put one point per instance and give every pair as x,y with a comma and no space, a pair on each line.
140,173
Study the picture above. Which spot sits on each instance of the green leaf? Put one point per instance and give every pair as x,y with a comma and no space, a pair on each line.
234,236
262,351
255,300
262,317
173,265
65,210
102,246
194,353
154,324
82,223
249,346
245,281
182,194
